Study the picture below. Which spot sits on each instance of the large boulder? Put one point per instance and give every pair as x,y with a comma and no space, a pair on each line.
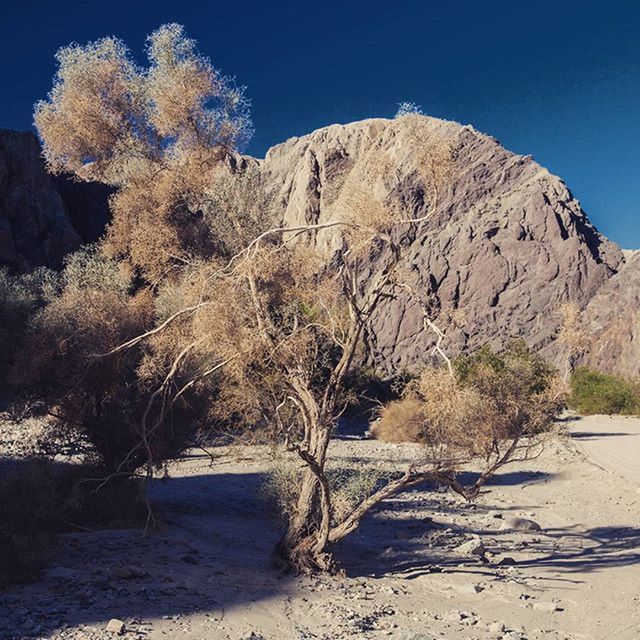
509,244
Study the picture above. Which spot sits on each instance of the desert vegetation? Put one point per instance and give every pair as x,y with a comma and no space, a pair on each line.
200,314
594,392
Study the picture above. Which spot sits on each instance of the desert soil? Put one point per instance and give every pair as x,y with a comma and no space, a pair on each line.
205,572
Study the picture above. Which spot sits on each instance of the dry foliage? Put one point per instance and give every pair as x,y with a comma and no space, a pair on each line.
495,409
158,134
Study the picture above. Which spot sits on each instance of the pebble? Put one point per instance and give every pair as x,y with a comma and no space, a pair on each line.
520,524
115,626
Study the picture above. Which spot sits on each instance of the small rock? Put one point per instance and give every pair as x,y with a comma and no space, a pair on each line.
455,616
136,572
122,573
115,626
188,559
472,548
512,635
546,606
520,524
62,573
506,561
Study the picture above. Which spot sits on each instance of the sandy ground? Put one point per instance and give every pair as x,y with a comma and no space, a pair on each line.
205,573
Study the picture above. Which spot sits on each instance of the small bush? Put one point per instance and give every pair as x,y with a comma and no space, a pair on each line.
593,392
349,487
491,397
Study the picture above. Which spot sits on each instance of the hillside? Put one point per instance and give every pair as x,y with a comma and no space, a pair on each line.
508,246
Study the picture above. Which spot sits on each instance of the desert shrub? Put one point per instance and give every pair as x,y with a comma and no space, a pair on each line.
349,487
490,399
21,295
593,392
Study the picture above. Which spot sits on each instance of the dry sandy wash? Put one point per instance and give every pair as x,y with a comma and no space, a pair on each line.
206,573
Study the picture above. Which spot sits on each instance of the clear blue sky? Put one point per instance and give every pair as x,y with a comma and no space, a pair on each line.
559,80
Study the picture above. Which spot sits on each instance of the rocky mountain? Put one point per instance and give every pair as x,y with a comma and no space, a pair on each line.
507,246
42,218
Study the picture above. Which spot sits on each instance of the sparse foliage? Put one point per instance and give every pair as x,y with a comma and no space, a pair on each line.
408,109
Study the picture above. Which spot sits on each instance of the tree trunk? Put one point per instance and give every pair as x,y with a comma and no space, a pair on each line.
304,546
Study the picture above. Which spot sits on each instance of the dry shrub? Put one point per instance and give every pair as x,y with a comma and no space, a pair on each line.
491,401
349,487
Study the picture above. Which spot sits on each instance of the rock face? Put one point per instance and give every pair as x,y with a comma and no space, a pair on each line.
36,226
507,247
612,317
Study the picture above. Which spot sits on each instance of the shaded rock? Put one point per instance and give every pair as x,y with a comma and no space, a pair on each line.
506,561
520,524
612,322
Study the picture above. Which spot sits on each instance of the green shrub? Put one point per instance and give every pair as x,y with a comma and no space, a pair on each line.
594,392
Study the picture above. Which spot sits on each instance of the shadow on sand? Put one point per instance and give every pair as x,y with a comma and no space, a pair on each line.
212,551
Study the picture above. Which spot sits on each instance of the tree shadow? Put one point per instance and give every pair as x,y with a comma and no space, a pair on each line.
593,435
210,550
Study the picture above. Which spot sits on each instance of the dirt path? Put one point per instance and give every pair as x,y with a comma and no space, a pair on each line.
207,573
611,442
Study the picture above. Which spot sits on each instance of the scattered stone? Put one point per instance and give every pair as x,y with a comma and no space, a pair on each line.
506,561
122,573
520,524
546,606
472,548
137,572
115,626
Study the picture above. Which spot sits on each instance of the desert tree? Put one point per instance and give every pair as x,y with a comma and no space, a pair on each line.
278,325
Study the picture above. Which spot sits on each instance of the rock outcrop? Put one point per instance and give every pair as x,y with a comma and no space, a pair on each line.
612,318
36,210
508,246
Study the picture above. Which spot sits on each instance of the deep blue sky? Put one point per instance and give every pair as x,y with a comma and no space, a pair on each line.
559,80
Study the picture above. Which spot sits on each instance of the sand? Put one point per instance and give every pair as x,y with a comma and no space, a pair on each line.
206,571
